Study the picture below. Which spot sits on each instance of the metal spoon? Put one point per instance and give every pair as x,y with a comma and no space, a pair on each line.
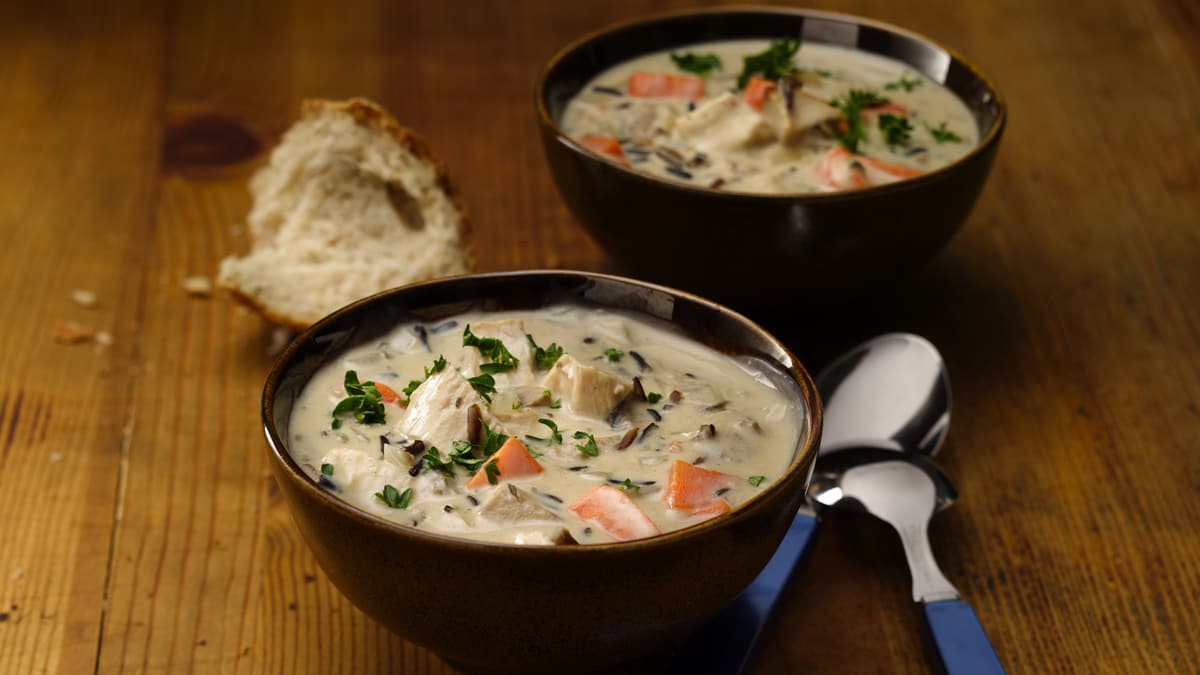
890,392
905,491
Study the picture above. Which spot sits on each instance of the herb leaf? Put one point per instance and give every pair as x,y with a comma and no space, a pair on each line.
491,441
491,470
439,364
485,384
629,486
756,480
943,135
394,498
700,64
653,397
490,348
896,128
461,455
327,469
555,434
772,64
852,106
589,448
433,460
544,359
613,354
903,83
362,399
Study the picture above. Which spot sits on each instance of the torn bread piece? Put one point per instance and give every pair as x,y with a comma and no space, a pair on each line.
350,204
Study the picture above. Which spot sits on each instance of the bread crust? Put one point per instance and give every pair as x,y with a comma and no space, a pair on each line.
370,115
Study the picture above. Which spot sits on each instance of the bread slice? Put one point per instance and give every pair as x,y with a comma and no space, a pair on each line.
350,204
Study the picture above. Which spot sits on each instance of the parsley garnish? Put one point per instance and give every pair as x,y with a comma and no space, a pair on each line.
896,128
543,359
492,349
653,397
700,64
629,486
772,64
491,441
613,354
516,405
433,460
852,106
903,83
556,404
326,469
823,73
485,384
756,480
461,455
555,434
491,471
589,448
364,400
943,135
394,498
439,364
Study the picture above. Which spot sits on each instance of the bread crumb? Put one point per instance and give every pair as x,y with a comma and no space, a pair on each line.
71,332
56,457
84,298
16,574
280,337
198,287
103,338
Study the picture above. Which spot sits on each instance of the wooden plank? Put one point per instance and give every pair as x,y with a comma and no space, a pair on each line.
78,144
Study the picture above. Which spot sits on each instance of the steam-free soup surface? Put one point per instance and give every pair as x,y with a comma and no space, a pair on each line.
771,117
563,425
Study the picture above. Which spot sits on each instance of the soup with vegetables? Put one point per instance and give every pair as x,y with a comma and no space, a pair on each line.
771,117
562,425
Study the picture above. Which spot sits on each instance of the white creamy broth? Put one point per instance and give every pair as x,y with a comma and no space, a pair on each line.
704,433
799,137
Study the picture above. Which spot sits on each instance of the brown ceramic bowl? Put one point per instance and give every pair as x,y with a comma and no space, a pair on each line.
535,609
758,252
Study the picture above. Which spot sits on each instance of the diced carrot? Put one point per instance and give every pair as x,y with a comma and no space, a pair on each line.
690,487
602,145
614,512
756,92
836,170
660,85
386,393
893,169
717,508
513,461
889,108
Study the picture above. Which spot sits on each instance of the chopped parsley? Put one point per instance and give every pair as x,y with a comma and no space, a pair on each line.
629,486
516,405
903,83
756,480
362,399
851,107
823,73
556,404
653,397
394,498
326,469
555,434
491,441
439,364
492,349
613,354
772,64
943,135
895,128
589,448
543,359
700,64
491,470
485,384
433,460
461,455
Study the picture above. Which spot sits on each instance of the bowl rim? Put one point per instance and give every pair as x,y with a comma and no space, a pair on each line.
806,446
985,144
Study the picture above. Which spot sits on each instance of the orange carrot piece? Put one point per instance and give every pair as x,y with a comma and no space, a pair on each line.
889,108
512,459
614,512
602,145
717,508
756,92
386,393
690,487
834,168
893,169
660,85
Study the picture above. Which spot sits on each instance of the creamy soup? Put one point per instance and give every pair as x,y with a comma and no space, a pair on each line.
771,117
556,426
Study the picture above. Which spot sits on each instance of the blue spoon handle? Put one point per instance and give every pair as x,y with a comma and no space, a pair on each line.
958,637
723,645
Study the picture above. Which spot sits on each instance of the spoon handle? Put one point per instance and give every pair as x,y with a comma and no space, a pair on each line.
958,637
723,646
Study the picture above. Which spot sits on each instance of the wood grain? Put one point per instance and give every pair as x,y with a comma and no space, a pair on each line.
145,536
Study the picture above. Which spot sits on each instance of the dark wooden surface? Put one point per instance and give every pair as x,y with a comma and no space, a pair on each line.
143,535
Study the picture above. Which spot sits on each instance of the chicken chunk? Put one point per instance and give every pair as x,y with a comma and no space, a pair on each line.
791,122
586,391
437,411
724,123
510,505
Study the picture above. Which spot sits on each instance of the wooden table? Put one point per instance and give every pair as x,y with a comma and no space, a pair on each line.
143,534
